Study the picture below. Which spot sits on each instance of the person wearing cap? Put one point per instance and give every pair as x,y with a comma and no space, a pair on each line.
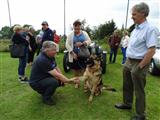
45,75
18,38
75,40
140,51
48,33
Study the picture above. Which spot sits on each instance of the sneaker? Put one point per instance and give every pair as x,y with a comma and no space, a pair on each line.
23,79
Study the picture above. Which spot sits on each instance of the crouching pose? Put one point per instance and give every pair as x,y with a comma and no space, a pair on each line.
45,75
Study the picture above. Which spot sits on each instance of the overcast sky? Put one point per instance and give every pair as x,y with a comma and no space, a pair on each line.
95,12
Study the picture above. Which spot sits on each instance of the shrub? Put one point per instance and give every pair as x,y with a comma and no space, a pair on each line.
4,45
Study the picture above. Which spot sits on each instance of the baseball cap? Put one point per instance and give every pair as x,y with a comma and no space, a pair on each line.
44,23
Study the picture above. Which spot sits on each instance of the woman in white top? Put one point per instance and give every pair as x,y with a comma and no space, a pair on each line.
124,45
75,40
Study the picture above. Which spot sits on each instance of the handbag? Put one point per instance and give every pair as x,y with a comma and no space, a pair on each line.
17,50
83,52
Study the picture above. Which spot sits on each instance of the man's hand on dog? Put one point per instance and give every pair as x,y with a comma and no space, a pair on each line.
75,80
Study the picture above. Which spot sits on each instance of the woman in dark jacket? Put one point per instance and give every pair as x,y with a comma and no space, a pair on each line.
32,45
17,38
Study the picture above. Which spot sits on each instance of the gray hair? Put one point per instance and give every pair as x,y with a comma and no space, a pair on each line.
31,28
49,45
142,8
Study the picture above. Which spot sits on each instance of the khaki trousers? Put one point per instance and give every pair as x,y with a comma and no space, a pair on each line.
134,81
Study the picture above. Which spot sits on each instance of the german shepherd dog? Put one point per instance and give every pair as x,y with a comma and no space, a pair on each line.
92,77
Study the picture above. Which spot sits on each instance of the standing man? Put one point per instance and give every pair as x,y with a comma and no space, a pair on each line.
48,33
45,75
140,50
114,42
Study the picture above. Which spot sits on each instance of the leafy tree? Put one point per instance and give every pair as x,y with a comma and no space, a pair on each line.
131,28
104,30
6,32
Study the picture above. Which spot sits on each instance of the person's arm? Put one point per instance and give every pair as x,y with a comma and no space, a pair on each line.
24,39
50,35
29,41
109,41
117,41
58,70
147,58
63,78
68,43
151,39
88,40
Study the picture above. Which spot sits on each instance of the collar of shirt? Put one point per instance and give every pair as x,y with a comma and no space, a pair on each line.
140,26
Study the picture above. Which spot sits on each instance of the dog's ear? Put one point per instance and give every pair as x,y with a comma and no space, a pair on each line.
90,62
98,58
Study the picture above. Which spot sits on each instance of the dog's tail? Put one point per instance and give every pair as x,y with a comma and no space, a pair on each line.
109,88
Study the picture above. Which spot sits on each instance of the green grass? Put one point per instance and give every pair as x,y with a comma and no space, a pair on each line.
19,102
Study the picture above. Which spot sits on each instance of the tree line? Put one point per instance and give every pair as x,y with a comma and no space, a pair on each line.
96,33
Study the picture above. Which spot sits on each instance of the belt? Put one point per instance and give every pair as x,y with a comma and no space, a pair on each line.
132,59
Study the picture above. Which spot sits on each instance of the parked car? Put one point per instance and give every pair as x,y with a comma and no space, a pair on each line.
154,68
93,48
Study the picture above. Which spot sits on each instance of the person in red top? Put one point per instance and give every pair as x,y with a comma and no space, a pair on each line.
114,42
56,39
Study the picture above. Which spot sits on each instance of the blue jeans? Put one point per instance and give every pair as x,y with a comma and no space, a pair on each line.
124,54
113,51
22,64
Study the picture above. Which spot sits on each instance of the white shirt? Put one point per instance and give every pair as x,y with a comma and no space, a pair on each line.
143,37
125,41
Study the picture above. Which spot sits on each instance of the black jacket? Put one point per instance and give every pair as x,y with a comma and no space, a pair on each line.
48,35
19,39
32,42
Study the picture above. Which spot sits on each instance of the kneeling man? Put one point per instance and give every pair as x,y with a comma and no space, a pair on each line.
45,75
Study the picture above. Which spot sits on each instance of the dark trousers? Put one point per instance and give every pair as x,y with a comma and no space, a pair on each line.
134,81
45,87
30,56
124,54
113,51
39,46
22,64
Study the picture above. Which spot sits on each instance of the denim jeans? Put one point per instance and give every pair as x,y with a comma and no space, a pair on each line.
22,64
124,54
113,51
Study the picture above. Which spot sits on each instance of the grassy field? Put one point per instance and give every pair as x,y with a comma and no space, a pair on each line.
19,102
